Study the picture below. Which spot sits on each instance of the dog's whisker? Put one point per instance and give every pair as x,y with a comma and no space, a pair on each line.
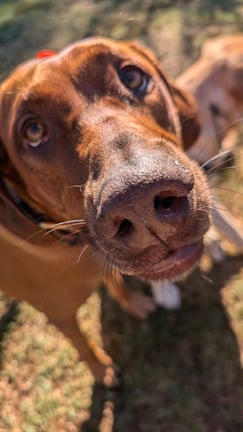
47,228
110,268
208,143
219,155
223,133
58,227
212,171
47,225
82,252
104,269
232,123
222,164
219,188
30,237
75,186
206,278
107,267
115,270
234,213
67,234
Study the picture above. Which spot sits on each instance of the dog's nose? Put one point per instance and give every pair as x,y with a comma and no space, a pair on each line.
143,209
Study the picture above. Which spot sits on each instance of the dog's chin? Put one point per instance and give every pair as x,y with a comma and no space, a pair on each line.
176,266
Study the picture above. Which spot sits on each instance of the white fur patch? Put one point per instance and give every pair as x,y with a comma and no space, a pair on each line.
166,294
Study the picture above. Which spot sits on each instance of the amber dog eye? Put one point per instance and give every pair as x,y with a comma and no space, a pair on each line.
35,133
134,79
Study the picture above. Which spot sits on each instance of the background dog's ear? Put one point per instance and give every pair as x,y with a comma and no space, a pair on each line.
184,102
188,114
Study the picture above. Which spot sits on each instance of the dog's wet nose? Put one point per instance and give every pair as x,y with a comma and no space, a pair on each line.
140,213
161,217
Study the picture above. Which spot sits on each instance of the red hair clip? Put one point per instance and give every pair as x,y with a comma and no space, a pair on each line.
45,53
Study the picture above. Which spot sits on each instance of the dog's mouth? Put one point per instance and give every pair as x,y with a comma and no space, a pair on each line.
177,265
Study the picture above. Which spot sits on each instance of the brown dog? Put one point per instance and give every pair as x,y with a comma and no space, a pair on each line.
216,82
91,146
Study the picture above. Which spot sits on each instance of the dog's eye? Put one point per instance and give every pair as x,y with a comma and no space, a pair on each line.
35,133
134,79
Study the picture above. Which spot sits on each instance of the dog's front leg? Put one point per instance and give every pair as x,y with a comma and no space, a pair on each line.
132,300
98,361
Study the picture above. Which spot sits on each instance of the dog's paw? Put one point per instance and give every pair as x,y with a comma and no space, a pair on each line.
111,377
104,370
166,294
107,376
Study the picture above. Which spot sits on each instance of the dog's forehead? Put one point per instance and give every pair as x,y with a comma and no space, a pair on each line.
98,49
82,72
85,63
88,55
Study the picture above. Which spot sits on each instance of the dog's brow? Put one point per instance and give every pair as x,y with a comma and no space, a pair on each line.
35,100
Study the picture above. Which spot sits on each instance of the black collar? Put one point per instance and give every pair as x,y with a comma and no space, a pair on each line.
39,219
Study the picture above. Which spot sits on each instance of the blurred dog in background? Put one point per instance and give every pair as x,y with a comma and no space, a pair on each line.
216,82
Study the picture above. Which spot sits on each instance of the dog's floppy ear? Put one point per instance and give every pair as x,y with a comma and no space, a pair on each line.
7,99
4,160
2,156
188,114
3,153
184,102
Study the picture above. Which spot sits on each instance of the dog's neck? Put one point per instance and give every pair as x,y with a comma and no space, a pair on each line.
26,209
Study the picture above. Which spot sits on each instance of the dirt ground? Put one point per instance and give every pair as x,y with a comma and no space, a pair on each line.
180,371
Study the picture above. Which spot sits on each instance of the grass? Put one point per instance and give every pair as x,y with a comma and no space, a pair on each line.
181,372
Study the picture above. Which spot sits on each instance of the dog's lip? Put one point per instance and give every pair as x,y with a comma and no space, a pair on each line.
176,265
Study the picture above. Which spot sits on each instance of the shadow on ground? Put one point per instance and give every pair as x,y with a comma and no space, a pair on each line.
180,371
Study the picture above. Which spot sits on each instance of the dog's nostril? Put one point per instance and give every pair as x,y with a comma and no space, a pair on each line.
161,203
125,228
171,206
